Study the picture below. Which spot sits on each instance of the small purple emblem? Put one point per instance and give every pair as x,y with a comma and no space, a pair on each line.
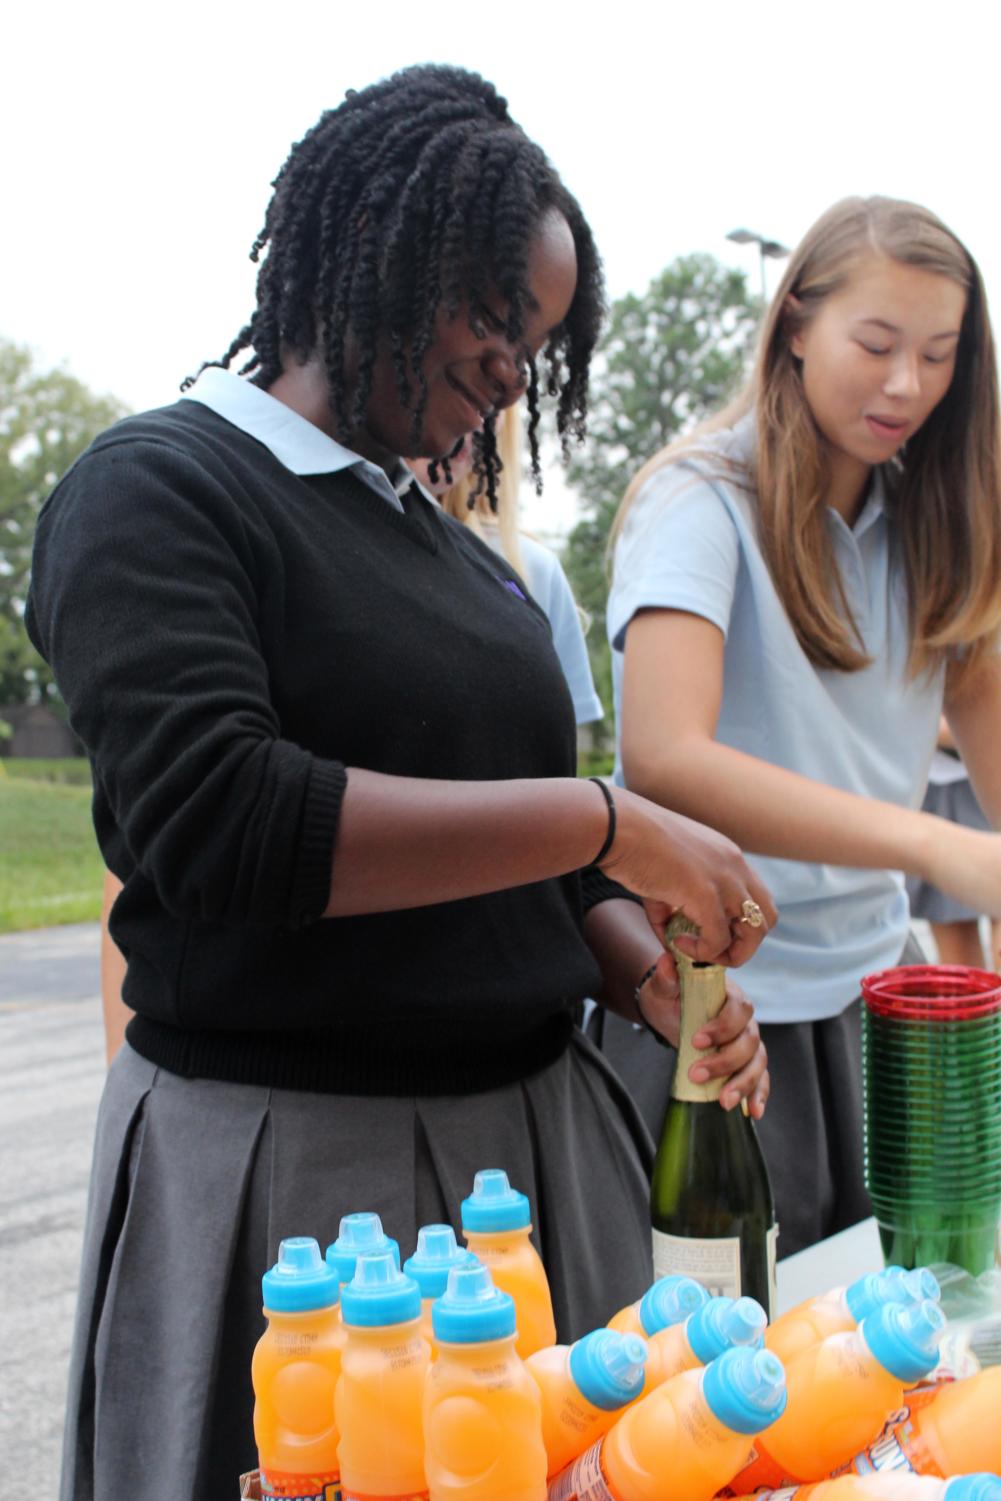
510,584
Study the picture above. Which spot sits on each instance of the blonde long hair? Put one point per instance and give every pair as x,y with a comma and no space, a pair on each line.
456,501
945,489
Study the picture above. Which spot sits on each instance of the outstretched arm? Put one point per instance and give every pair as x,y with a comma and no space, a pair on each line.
672,690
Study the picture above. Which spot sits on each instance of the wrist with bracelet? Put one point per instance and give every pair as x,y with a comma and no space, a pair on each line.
648,974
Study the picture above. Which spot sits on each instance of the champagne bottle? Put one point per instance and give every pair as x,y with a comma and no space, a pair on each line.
710,1201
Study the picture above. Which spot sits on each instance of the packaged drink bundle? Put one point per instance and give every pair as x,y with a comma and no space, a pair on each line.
685,1439
381,1388
496,1222
669,1301
949,1429
841,1388
890,1486
720,1324
844,1308
584,1387
482,1419
295,1370
711,1205
436,1254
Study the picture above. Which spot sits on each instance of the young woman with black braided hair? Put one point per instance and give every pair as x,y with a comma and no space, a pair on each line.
333,763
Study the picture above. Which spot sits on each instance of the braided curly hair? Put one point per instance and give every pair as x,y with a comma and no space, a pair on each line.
417,193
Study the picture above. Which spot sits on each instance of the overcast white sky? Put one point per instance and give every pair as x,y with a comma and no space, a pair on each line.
139,141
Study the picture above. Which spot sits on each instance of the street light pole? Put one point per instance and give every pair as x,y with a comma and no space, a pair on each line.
767,250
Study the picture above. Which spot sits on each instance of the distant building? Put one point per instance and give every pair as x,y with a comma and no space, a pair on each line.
37,732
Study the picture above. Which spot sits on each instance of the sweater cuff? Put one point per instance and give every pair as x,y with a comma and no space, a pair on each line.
314,865
597,887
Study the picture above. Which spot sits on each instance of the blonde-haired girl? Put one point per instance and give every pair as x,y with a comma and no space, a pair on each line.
799,587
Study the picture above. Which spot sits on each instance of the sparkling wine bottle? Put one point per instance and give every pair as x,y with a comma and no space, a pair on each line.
710,1201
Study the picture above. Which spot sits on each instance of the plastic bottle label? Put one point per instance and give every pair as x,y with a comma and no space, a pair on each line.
714,1263
277,1485
899,1446
583,1479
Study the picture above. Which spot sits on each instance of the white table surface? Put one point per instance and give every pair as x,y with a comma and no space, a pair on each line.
831,1263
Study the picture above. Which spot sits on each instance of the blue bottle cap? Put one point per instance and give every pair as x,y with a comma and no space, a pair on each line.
745,1389
300,1279
870,1292
494,1204
358,1234
982,1487
722,1323
472,1309
437,1252
608,1367
379,1293
905,1340
668,1301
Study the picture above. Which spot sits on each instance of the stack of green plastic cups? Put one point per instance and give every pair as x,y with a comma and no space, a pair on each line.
931,1052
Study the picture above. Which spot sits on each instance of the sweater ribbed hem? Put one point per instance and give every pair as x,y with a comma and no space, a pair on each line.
333,1062
596,887
315,854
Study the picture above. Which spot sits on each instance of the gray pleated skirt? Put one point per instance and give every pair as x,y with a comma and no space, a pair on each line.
196,1182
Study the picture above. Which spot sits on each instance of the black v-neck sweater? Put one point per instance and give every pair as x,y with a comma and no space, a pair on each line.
229,637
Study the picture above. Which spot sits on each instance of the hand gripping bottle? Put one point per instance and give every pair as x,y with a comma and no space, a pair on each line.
669,1301
842,1391
482,1417
845,1307
295,1369
685,1439
496,1224
941,1430
379,1395
584,1387
436,1254
720,1324
358,1234
891,1485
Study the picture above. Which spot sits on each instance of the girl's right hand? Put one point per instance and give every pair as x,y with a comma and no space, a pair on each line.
672,862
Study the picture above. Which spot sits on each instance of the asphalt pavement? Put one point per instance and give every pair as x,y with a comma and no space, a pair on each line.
51,1075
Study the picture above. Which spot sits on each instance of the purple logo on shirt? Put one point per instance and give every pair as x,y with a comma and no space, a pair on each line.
510,584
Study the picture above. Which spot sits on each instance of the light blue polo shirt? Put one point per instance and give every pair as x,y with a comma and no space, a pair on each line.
689,543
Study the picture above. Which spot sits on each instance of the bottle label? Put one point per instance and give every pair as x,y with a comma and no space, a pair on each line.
771,1245
703,993
899,1446
584,1479
278,1485
714,1263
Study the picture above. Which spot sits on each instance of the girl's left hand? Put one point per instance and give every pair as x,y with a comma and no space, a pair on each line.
732,1043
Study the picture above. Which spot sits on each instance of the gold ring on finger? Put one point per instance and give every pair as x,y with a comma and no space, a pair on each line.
752,914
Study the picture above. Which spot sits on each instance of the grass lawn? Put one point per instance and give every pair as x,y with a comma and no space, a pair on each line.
50,868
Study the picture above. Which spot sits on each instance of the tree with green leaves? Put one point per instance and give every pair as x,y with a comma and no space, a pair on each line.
47,418
668,359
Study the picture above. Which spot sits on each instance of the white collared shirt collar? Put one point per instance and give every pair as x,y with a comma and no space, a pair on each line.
295,442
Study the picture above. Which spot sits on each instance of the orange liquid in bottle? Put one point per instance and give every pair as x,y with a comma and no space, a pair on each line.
496,1225
584,1387
381,1387
482,1410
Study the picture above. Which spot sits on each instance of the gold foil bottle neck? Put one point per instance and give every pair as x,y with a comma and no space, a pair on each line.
703,994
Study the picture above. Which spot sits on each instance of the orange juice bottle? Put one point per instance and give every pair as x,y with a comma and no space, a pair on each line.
379,1395
584,1387
357,1235
496,1223
295,1369
941,1430
482,1410
845,1307
436,1254
669,1301
719,1324
841,1392
890,1485
683,1440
